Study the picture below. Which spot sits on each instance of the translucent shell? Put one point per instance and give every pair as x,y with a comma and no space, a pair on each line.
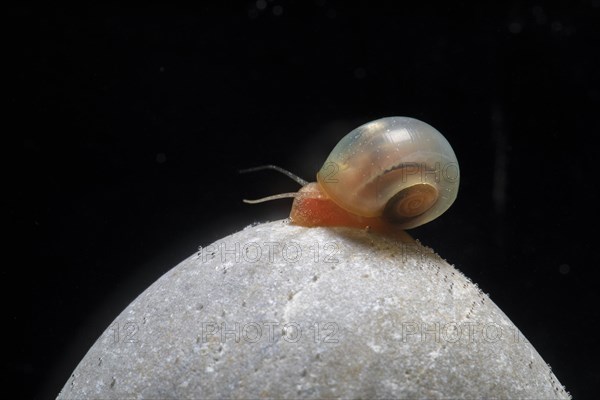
399,168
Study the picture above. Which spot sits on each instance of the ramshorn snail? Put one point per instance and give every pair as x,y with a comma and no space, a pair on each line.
390,174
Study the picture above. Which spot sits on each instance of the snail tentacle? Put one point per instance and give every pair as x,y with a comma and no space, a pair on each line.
289,174
273,197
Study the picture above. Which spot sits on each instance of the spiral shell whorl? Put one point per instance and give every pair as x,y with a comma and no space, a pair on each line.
398,167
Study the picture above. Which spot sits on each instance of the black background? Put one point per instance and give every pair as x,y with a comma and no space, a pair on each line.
135,123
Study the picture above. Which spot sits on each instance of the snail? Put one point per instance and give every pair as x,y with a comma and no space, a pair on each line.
387,175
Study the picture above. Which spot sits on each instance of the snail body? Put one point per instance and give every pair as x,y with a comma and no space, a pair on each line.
388,175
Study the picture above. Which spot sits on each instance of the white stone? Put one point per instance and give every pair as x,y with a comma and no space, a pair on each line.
282,311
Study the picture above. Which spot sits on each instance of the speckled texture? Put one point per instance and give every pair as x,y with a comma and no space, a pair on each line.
288,312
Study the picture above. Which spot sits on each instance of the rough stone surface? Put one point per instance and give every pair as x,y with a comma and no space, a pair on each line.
288,312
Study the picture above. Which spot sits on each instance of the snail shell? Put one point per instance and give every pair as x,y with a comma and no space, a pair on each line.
397,168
